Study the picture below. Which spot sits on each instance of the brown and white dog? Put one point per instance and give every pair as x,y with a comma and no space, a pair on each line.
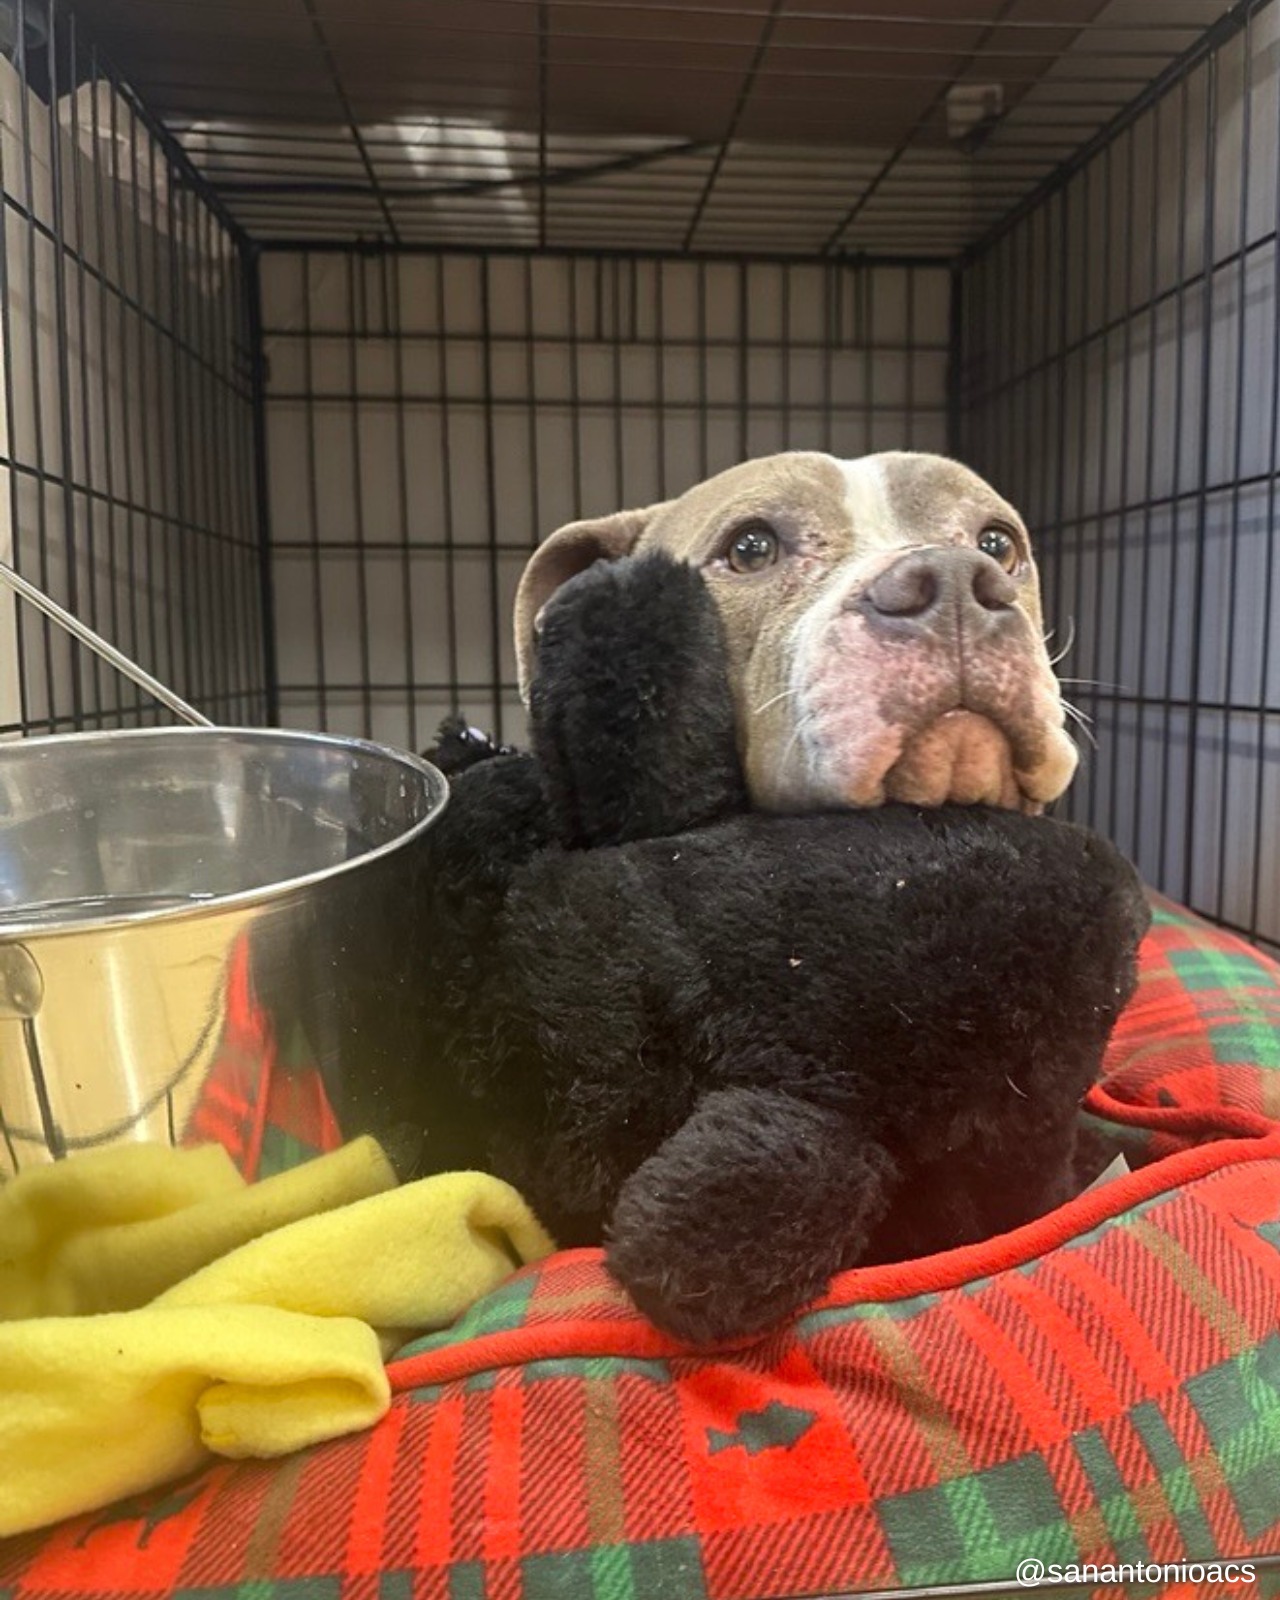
883,625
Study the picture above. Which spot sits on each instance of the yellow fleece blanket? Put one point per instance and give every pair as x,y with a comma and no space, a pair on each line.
154,1308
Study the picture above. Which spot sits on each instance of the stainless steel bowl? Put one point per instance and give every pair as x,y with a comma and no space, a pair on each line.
144,875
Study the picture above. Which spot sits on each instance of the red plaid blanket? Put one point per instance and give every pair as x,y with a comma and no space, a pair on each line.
1102,1386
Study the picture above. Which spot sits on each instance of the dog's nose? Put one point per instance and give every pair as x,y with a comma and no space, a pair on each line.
932,589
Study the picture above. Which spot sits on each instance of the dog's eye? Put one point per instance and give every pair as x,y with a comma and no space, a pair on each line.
754,547
1000,546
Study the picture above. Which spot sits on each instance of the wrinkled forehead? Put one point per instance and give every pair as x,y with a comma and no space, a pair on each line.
872,502
926,496
801,487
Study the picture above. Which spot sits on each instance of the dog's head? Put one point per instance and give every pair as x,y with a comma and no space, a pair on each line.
882,620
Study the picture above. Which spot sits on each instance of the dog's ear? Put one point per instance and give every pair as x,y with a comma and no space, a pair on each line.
567,552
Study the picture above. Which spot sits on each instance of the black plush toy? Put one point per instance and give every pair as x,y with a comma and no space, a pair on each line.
745,1050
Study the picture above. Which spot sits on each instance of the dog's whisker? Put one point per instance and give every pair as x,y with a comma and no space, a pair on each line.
786,694
1067,648
1081,721
802,726
1080,716
799,729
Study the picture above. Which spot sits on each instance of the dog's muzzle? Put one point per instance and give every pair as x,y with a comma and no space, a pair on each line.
927,683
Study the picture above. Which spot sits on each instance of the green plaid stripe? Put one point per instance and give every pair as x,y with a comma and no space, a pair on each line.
872,1311
1243,1029
466,1580
500,1312
1247,1043
1204,1027
1238,1403
597,1369
1174,1473
978,1527
1124,1526
640,1571
1134,1143
594,1369
1209,966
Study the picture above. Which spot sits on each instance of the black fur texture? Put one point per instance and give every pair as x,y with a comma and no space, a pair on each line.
459,746
743,1050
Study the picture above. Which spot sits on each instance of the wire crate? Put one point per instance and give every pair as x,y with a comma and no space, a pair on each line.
310,333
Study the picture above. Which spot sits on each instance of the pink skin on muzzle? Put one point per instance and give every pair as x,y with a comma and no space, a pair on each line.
928,719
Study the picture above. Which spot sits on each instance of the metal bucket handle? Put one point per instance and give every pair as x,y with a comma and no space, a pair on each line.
26,590
21,982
